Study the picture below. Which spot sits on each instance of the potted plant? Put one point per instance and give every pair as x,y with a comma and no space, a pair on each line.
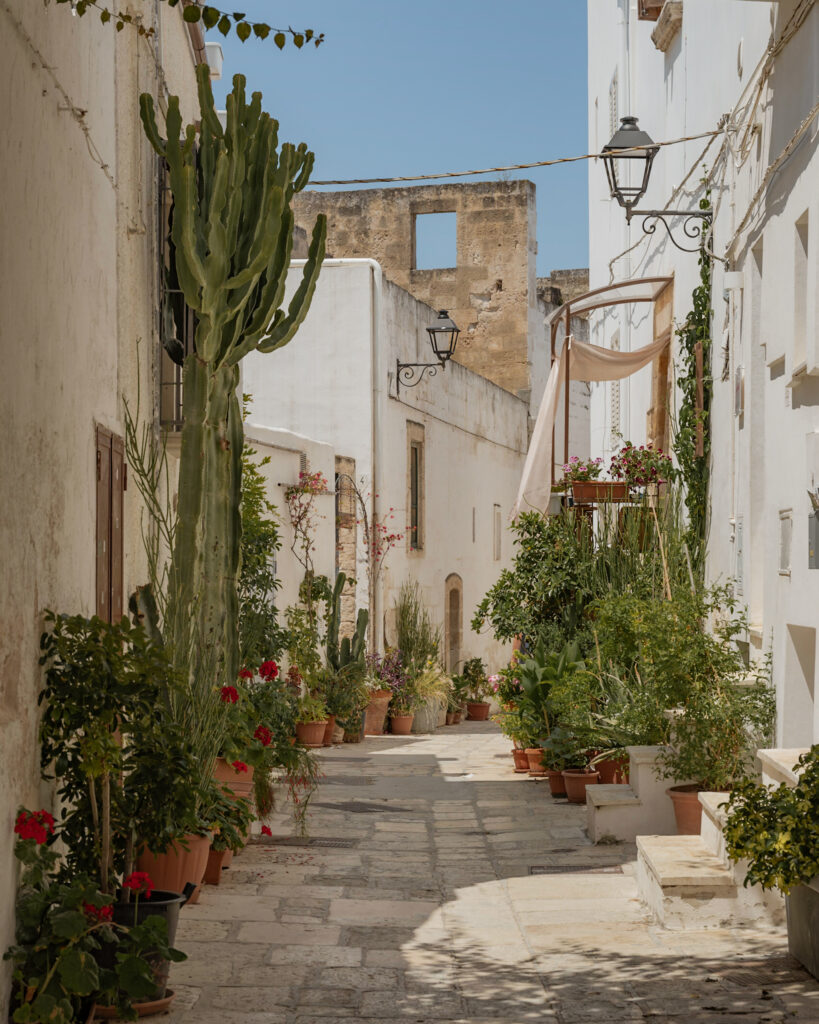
311,721
643,468
125,771
74,946
582,476
476,688
777,832
714,734
339,683
229,819
433,689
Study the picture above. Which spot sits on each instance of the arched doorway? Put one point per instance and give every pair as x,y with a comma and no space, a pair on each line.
453,621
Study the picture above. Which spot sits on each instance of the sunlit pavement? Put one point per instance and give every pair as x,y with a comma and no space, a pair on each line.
438,886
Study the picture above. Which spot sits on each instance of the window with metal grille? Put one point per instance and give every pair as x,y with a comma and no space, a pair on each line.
177,321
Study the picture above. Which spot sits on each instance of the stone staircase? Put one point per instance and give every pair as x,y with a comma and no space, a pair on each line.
689,882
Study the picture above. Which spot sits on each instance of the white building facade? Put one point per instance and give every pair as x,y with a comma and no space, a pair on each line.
759,95
438,463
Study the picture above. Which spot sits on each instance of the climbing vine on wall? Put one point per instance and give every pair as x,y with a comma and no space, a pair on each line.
692,444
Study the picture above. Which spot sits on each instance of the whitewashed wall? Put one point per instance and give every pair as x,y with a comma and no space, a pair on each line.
335,382
764,460
77,333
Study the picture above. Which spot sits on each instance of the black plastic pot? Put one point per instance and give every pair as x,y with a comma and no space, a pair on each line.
161,904
802,905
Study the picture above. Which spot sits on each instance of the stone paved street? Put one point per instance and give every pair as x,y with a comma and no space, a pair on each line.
442,887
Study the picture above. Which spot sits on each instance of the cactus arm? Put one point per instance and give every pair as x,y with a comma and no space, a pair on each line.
305,172
284,330
207,107
148,116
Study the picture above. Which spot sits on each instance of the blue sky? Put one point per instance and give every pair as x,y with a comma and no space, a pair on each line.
423,87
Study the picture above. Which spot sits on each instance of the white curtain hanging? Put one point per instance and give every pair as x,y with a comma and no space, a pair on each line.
586,362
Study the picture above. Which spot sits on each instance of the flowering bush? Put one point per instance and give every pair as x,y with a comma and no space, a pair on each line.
577,470
641,466
389,673
36,825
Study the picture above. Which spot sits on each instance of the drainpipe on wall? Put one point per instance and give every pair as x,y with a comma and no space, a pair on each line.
377,389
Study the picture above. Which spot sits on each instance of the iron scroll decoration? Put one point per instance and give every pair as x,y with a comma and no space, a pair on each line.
410,374
695,225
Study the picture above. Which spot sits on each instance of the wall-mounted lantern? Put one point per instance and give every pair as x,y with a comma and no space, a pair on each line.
443,336
628,159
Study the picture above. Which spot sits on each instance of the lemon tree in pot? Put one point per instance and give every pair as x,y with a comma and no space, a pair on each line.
776,831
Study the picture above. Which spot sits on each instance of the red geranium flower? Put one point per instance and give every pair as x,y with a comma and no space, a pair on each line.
140,882
245,673
229,694
239,766
268,670
36,825
263,735
100,914
266,831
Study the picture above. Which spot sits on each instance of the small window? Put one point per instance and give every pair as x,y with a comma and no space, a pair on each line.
496,532
415,486
435,241
785,538
111,484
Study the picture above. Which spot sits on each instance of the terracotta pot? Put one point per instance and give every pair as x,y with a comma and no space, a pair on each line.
687,808
338,734
575,780
450,718
612,770
534,757
458,716
148,1009
376,713
213,869
401,725
328,731
585,492
229,854
557,787
239,783
521,760
311,734
477,710
177,866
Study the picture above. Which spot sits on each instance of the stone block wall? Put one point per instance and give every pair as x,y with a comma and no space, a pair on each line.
490,294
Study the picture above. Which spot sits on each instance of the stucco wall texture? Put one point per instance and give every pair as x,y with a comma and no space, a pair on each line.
491,294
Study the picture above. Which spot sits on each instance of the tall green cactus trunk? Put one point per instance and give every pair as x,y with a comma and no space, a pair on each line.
232,232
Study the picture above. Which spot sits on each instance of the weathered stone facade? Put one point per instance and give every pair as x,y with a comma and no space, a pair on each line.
491,293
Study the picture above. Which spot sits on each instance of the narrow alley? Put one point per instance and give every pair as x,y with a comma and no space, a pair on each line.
436,885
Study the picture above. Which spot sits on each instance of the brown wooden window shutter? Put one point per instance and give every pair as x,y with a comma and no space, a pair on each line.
111,483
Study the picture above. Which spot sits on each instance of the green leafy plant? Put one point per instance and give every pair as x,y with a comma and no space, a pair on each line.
641,467
311,709
64,929
123,766
777,830
416,637
476,686
542,674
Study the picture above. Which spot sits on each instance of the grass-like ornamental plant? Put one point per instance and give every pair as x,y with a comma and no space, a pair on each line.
777,830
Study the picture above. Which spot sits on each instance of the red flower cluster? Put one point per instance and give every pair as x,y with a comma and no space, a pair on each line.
245,673
266,831
229,694
36,825
263,735
140,882
99,914
239,766
268,670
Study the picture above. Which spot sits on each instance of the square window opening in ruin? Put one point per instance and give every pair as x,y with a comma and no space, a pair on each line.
435,241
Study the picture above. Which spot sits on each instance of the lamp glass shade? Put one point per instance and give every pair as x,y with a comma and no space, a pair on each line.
443,336
627,167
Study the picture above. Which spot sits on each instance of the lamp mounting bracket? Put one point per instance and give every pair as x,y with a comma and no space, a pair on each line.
691,228
411,374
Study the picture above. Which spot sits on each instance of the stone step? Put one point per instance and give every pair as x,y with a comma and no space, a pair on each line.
714,817
686,885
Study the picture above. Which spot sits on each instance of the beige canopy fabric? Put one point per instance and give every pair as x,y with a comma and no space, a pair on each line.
586,362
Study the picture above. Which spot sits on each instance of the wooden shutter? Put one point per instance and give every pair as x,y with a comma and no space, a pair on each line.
110,455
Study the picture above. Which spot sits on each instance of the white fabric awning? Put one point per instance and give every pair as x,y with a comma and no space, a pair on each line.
586,362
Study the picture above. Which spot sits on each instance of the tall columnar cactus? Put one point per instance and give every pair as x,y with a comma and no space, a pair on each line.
232,232
351,649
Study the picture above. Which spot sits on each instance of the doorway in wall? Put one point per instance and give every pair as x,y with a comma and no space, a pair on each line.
453,621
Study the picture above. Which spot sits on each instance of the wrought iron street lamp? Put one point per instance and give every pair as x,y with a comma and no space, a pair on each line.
443,336
628,159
